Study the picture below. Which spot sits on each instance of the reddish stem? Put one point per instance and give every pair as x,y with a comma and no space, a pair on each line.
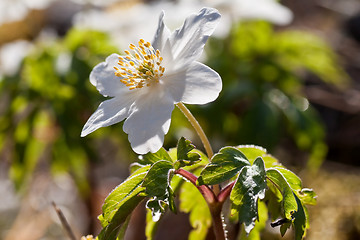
225,193
207,193
214,204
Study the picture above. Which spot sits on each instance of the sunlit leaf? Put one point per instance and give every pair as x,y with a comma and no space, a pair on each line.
151,158
306,195
288,202
260,225
250,186
157,179
300,220
151,225
223,166
185,155
157,185
252,152
120,203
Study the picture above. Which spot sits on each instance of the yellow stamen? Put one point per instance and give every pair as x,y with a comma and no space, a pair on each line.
132,46
140,67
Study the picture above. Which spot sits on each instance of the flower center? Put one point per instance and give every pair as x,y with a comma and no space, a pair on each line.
140,67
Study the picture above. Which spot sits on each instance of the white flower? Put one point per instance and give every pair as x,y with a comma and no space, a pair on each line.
147,82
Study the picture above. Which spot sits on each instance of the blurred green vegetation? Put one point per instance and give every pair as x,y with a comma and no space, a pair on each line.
45,105
48,101
262,101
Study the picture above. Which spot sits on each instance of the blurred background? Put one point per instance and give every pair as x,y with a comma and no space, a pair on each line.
291,83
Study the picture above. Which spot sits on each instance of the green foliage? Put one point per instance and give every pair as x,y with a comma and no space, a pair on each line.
151,158
120,203
260,185
300,220
293,199
262,99
49,100
151,225
289,204
252,152
261,102
157,185
255,233
249,187
153,178
253,165
223,166
184,155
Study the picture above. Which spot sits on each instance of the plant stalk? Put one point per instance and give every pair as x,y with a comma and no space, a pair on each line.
217,220
201,134
198,129
211,199
207,193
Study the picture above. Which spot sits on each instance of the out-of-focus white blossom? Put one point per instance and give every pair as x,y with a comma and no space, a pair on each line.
238,10
11,56
125,21
15,10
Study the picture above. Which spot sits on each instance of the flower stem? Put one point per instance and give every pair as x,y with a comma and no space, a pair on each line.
207,193
198,129
201,134
215,206
218,223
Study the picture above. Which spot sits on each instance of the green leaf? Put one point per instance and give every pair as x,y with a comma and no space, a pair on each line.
184,146
157,185
291,178
250,186
307,196
288,202
223,166
151,226
255,233
191,201
294,198
156,180
158,206
252,152
151,158
300,220
120,203
122,231
185,155
273,200
284,227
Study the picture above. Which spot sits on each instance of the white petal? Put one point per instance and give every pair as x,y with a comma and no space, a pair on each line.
104,79
198,84
149,122
188,42
108,113
162,33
